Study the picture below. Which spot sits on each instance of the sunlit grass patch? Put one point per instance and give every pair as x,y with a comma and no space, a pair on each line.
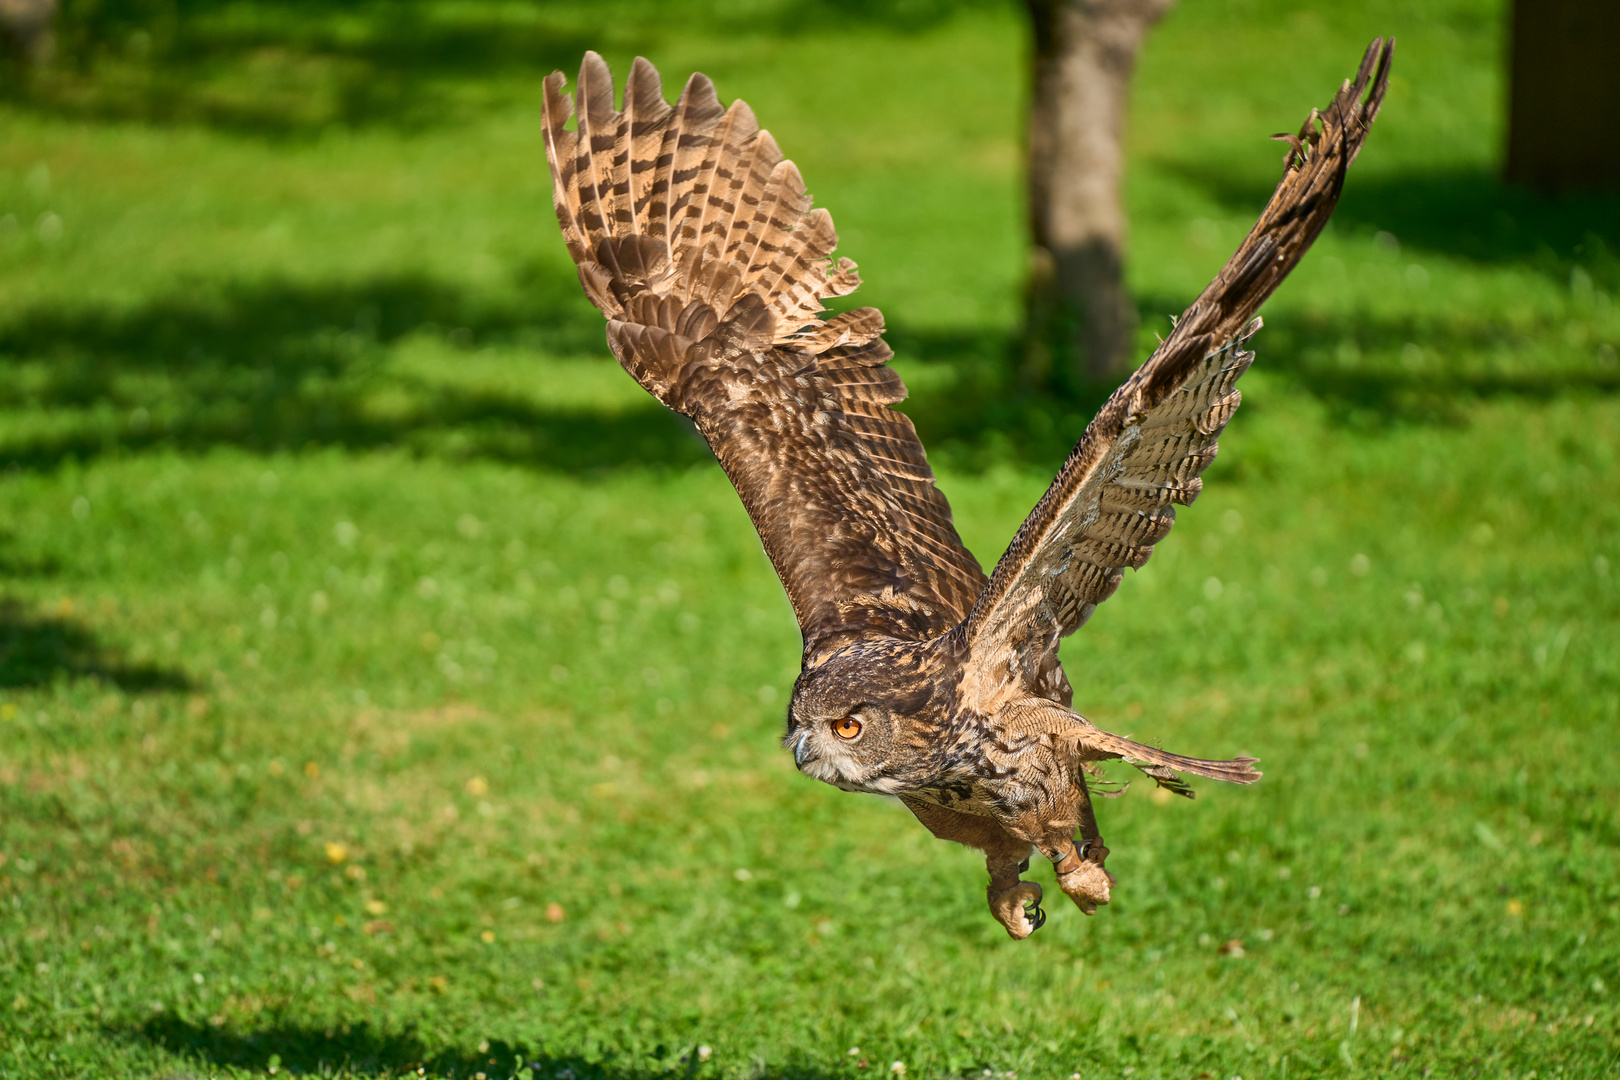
387,685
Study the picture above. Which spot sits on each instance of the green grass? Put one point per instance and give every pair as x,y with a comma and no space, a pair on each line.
388,684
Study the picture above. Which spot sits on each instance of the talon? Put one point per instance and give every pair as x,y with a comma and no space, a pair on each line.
1095,852
1098,854
1018,908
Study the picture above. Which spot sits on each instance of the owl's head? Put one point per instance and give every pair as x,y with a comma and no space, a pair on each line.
849,726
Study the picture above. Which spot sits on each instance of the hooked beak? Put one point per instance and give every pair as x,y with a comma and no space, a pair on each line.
801,753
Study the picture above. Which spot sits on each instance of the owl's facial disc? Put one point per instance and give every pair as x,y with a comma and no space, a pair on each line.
849,719
847,749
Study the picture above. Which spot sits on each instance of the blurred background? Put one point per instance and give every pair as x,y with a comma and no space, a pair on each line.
387,684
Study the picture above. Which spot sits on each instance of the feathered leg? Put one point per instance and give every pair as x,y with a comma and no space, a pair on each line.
1049,801
1015,904
1079,866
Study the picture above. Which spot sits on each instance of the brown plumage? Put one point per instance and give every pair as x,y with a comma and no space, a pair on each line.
921,677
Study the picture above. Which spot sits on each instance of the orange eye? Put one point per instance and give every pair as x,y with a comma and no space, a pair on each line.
847,728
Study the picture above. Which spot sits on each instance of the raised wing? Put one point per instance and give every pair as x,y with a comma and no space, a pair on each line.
1144,452
696,240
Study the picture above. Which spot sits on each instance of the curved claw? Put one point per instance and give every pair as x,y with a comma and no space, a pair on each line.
1018,908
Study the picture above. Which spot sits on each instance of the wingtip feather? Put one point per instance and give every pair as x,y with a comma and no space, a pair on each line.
700,96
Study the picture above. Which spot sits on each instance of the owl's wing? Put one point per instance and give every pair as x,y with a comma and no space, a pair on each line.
1145,450
696,240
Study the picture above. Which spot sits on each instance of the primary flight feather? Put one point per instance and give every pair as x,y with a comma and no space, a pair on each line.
922,678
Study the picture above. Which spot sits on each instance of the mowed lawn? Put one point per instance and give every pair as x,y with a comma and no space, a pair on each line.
387,687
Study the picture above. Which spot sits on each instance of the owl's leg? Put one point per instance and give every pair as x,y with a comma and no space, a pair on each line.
1079,864
1015,904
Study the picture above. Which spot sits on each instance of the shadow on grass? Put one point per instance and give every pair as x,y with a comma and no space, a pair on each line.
980,416
1384,381
38,649
1461,213
14,565
361,1050
290,366
285,76
286,67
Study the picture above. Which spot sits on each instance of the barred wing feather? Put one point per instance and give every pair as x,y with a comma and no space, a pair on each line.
1143,454
697,240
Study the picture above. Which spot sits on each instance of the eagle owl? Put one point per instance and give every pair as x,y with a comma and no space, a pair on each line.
922,677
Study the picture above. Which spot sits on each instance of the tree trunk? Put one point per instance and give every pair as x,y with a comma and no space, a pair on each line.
1564,112
1077,315
28,29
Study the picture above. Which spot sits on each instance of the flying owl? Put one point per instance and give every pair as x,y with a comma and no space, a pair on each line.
922,677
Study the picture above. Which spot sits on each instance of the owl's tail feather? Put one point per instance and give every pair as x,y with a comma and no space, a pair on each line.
1164,766
1238,770
1092,743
